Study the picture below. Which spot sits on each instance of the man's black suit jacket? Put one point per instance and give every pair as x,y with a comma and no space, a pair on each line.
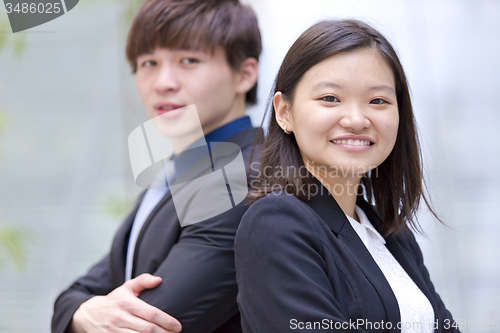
305,262
196,264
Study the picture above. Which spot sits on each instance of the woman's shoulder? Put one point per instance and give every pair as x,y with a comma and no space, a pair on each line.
279,214
278,202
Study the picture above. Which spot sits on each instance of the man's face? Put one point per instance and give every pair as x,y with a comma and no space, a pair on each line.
170,79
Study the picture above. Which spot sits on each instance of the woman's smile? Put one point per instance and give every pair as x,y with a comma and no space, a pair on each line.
344,112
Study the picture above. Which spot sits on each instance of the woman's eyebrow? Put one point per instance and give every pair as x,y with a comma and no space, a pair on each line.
329,84
383,87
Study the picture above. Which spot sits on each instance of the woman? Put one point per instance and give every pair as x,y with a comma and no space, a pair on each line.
327,244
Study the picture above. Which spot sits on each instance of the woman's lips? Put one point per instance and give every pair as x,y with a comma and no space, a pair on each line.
352,145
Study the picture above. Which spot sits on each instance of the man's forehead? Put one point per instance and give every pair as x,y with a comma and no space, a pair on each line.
195,49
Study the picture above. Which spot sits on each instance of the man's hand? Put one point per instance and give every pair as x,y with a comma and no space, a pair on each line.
122,311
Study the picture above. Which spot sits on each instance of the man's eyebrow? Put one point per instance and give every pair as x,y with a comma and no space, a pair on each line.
329,84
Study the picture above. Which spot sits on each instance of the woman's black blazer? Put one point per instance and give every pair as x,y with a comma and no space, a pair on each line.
302,265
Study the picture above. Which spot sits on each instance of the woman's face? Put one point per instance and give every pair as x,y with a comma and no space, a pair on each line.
344,114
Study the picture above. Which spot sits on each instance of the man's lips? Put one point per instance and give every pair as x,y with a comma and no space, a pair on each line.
164,108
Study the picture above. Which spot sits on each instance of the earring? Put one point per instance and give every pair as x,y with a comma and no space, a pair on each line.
284,129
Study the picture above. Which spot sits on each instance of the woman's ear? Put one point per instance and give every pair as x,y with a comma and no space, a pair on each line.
282,111
247,75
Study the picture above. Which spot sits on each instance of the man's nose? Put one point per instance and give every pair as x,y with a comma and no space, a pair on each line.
166,80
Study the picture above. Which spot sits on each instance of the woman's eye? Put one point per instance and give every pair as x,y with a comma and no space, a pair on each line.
189,61
378,101
330,99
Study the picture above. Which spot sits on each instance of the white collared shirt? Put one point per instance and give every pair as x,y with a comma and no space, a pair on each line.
151,199
417,314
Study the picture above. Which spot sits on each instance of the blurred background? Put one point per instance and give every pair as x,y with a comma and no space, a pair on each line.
68,103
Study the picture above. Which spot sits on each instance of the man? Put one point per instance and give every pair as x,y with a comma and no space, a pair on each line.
201,52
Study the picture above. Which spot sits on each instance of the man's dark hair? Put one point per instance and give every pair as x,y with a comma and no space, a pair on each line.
196,25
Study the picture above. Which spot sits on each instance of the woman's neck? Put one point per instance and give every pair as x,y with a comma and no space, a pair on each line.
343,189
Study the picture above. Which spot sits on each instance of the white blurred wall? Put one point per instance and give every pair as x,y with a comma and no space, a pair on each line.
70,104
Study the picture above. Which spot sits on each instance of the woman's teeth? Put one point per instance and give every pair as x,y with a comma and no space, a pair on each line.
352,142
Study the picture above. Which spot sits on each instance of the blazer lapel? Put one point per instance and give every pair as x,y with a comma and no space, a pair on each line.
395,245
197,169
405,259
400,252
118,251
327,208
150,217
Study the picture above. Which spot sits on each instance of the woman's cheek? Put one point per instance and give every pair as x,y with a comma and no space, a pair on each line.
390,126
394,128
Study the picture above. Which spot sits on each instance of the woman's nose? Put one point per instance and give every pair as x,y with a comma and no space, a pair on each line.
355,119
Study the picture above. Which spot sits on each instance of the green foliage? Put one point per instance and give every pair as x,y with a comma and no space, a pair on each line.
118,206
18,41
4,27
3,121
131,7
13,244
19,45
13,239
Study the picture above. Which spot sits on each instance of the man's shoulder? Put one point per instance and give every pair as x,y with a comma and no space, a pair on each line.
246,138
248,143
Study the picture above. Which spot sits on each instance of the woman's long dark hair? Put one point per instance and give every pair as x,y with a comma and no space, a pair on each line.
396,188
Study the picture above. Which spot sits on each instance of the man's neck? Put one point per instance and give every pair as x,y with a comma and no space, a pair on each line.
237,111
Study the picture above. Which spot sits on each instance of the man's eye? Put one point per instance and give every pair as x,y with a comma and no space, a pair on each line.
189,61
330,99
148,63
378,101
